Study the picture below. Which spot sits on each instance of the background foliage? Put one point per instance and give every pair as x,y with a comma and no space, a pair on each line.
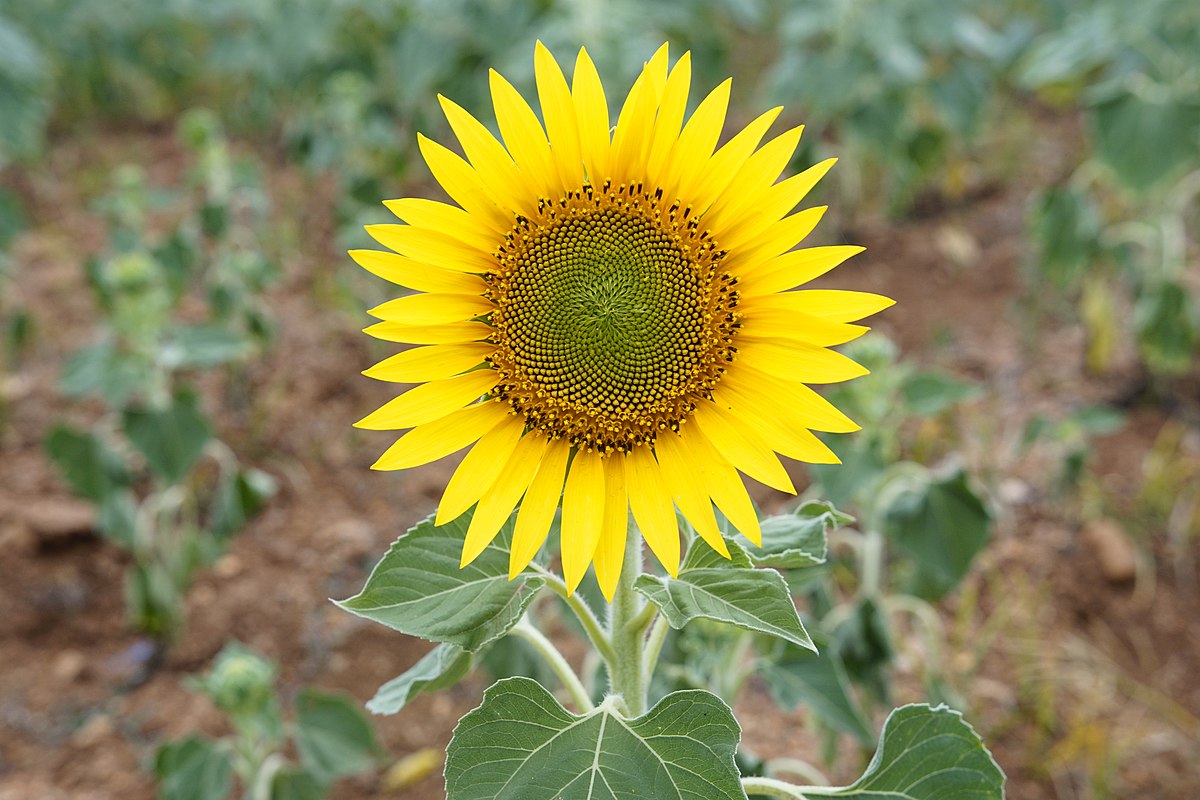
927,104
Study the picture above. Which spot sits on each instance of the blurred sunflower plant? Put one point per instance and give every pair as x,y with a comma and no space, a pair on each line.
607,316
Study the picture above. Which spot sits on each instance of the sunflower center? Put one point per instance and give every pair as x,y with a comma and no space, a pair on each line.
612,316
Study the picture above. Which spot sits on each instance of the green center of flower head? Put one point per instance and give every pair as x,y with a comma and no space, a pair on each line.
612,317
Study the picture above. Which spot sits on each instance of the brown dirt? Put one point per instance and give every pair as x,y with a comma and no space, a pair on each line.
1083,689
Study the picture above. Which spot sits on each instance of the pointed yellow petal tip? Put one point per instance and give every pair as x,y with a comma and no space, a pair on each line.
608,589
441,518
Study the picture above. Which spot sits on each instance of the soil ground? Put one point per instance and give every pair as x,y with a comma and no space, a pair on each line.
1085,685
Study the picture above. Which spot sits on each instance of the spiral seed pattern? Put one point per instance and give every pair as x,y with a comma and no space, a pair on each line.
613,319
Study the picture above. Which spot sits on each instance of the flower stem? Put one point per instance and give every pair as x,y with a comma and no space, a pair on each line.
654,644
546,649
587,619
626,629
773,788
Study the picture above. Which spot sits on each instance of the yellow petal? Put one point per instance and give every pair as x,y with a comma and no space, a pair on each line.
764,418
524,137
540,504
614,527
778,239
440,438
652,507
698,138
430,363
479,469
688,489
431,247
558,111
775,323
462,183
744,449
432,309
501,498
671,108
582,515
709,183
831,304
723,484
655,71
492,163
447,333
744,224
449,219
591,110
796,361
748,187
792,401
415,275
430,401
634,127
793,269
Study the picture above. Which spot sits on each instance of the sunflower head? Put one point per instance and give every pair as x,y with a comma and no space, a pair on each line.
607,316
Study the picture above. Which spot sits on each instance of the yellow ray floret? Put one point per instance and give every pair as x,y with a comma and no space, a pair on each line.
607,319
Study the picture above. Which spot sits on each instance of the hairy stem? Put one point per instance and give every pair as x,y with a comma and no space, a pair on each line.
773,788
546,649
626,629
591,625
658,635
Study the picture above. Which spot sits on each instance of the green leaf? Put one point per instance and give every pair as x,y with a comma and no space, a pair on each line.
942,523
1066,230
707,588
864,645
862,463
442,667
290,783
239,497
170,440
931,393
202,346
512,656
92,468
520,744
13,218
104,370
925,754
818,680
1146,139
117,518
1168,327
792,541
334,738
419,589
193,769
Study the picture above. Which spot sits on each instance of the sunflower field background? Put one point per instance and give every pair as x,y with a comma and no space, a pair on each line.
179,332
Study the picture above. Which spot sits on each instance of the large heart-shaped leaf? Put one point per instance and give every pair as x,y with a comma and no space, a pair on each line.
711,587
520,744
925,754
419,589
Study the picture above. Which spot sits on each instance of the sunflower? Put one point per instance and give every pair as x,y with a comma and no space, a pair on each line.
606,317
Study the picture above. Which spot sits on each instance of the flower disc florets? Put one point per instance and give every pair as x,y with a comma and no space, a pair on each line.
613,317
